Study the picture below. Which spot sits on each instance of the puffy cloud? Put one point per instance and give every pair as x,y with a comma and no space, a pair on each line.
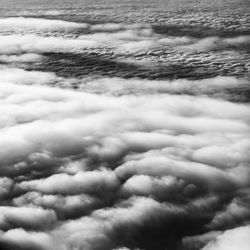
237,238
108,228
235,213
83,182
21,239
65,206
5,186
117,86
24,58
136,222
21,217
78,152
110,27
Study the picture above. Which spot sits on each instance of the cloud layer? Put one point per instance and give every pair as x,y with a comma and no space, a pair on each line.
119,164
101,171
127,50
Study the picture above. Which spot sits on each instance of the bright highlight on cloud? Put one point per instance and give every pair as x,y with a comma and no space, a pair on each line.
15,23
237,238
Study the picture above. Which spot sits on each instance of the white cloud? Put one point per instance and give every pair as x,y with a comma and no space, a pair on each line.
24,58
71,153
15,23
211,43
5,186
21,239
20,76
117,86
21,217
237,238
83,182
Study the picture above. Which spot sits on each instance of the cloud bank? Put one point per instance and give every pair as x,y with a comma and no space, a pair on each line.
101,171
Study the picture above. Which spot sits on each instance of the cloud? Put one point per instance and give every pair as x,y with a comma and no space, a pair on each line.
18,44
117,86
25,58
16,23
196,173
198,241
116,38
21,239
20,76
237,238
5,186
71,206
94,182
20,217
81,158
136,222
161,187
215,43
235,213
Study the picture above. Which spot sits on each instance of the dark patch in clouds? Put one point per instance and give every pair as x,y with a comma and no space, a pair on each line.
196,31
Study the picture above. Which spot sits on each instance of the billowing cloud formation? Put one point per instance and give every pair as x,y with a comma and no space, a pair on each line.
218,87
237,238
15,44
101,171
218,43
